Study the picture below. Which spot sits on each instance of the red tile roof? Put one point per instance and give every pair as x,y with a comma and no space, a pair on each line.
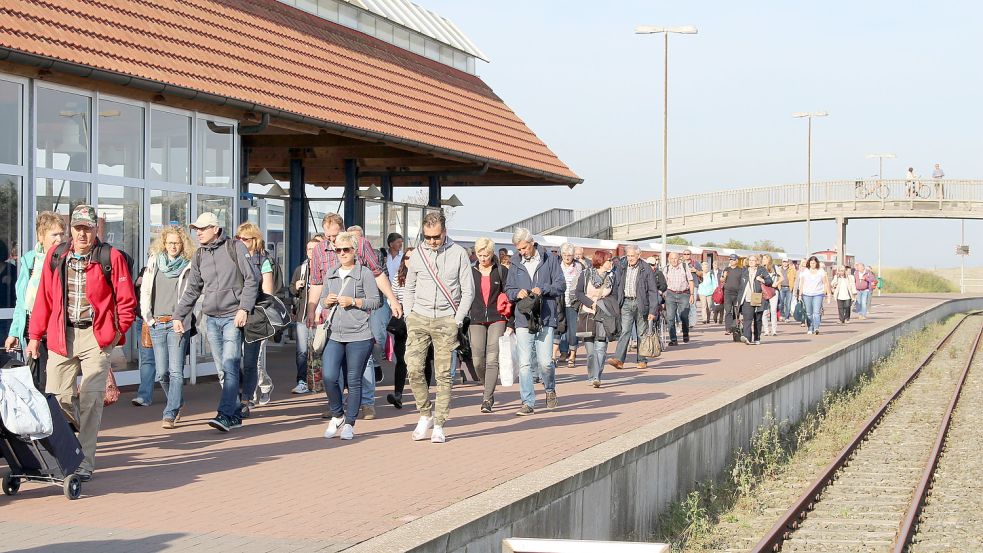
267,53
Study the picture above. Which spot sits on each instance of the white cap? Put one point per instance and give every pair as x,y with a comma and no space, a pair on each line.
205,220
651,260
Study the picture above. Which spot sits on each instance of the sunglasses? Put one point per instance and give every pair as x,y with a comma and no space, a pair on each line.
431,238
344,250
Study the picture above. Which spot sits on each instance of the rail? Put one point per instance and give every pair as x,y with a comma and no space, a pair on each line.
597,225
551,219
859,191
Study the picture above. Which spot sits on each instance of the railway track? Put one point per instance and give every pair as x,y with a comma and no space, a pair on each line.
872,496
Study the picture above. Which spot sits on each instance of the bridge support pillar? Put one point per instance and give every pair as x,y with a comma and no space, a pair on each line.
841,240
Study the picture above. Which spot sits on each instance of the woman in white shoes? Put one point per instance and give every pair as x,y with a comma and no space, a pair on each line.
348,296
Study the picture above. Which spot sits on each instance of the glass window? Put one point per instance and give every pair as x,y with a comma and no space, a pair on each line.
168,208
307,5
217,157
276,233
64,130
220,206
170,147
401,38
414,224
373,222
348,16
119,211
417,44
432,49
446,55
384,30
11,119
328,9
395,220
60,196
366,23
318,209
120,140
9,246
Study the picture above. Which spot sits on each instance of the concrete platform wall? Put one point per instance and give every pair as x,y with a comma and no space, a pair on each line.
616,490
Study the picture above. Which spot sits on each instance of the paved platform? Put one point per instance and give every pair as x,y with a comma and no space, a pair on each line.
277,485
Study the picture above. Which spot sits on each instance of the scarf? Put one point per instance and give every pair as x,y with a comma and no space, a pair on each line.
600,281
35,280
171,267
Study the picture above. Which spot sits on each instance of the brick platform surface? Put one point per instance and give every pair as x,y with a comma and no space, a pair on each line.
278,485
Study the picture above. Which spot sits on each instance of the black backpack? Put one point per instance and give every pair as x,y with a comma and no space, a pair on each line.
102,254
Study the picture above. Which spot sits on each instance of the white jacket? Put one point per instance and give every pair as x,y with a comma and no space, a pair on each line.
147,288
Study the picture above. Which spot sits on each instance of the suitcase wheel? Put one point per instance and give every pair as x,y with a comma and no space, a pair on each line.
10,483
73,487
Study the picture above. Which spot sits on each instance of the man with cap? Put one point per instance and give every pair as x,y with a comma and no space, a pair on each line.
227,282
732,290
84,313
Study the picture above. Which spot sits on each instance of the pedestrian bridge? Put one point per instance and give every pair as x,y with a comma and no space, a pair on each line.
831,200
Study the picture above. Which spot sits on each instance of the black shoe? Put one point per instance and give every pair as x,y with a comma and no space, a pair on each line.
236,422
83,474
245,411
220,423
396,400
685,339
673,343
486,406
378,374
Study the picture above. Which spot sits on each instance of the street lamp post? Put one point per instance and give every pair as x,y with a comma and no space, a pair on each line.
650,30
809,115
880,179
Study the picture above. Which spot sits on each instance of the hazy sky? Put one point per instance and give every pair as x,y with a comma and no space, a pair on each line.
901,77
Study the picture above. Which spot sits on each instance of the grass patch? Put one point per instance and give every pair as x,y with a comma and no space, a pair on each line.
910,280
783,458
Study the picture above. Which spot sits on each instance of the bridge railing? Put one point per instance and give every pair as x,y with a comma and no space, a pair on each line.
860,191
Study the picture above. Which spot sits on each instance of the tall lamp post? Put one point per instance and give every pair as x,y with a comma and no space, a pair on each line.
880,179
809,115
651,30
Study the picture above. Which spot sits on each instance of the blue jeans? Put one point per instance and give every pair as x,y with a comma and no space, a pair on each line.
677,307
543,342
354,355
813,306
597,352
169,350
303,336
378,321
863,302
225,339
568,341
631,317
147,370
785,302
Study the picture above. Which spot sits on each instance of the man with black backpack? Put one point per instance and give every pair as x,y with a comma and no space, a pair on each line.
223,276
85,305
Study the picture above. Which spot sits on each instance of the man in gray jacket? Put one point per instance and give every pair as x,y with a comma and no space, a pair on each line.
437,297
222,275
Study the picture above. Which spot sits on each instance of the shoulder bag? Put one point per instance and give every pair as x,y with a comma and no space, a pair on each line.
648,343
463,339
323,331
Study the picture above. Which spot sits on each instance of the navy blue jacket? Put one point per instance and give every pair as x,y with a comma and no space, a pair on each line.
646,288
548,278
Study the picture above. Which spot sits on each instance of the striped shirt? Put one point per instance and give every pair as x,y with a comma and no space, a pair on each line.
631,279
79,309
678,278
325,259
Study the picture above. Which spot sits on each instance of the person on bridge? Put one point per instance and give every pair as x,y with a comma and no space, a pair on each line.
680,295
812,286
752,301
937,176
865,282
438,295
731,278
638,298
535,273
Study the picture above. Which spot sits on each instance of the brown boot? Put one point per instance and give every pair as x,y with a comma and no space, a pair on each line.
616,364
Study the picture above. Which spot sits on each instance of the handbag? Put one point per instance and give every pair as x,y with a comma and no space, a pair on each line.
767,292
648,343
755,299
718,294
145,341
503,305
112,390
463,339
322,333
586,324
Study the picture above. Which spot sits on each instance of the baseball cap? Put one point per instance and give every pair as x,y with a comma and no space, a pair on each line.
83,215
205,220
651,260
733,257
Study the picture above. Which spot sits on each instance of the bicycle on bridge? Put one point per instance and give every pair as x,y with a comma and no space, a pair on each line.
865,189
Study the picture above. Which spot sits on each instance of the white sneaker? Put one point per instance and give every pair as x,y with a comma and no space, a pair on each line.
437,436
426,423
347,432
333,427
300,388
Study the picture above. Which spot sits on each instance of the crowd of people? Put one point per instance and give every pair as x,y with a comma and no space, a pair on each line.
435,310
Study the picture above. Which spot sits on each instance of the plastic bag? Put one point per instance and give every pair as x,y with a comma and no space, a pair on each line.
389,351
508,360
23,409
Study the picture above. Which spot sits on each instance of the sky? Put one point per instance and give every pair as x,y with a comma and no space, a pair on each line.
901,77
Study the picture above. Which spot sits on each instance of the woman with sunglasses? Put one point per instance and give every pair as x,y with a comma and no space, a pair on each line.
254,354
349,295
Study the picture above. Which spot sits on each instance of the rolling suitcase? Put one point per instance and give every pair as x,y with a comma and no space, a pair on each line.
52,460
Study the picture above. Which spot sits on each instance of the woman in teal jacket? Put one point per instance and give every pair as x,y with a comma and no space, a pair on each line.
50,229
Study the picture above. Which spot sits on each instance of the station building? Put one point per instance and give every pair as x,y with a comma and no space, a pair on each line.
157,111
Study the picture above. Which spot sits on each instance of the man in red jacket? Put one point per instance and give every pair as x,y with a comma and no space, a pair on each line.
84,315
